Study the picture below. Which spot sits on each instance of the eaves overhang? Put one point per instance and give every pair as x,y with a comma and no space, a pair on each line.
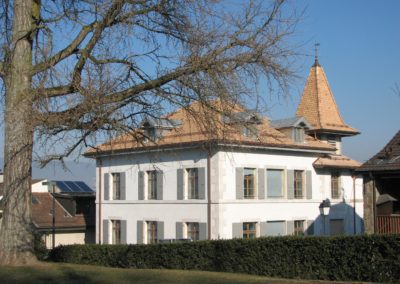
212,144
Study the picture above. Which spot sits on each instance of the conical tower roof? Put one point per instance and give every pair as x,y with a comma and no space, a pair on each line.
318,105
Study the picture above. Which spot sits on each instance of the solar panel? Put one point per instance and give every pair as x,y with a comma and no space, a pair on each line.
62,186
73,186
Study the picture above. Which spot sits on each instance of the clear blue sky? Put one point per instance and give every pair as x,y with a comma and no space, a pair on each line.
360,53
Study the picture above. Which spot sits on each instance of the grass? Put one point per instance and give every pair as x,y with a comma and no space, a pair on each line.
71,273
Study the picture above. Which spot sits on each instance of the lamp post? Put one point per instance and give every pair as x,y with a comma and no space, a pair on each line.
324,208
51,188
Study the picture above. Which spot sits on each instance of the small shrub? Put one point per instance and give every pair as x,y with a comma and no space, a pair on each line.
39,247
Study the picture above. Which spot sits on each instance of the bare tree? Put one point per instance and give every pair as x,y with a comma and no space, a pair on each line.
74,69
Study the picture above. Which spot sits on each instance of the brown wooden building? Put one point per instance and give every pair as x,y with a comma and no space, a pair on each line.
382,189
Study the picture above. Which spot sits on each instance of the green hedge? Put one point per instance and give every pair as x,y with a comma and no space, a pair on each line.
347,258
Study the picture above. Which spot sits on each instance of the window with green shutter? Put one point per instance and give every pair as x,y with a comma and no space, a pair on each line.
151,185
249,183
299,184
249,230
335,186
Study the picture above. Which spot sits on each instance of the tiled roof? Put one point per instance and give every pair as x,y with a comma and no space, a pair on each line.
202,124
387,159
335,162
42,204
318,105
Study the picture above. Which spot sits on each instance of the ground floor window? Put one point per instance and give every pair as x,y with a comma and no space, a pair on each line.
249,230
299,228
151,232
192,231
116,232
276,228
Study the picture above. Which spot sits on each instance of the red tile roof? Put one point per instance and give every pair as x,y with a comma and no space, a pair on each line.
202,124
318,105
42,204
335,162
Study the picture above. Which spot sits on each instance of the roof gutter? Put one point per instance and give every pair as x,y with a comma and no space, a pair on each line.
196,145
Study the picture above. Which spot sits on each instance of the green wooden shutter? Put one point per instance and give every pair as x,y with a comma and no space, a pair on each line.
203,232
141,185
105,232
180,184
160,231
139,237
261,183
308,185
263,229
122,195
239,183
106,186
202,183
290,184
160,182
179,230
237,230
123,232
290,227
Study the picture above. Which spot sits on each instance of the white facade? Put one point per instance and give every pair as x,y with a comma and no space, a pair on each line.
229,212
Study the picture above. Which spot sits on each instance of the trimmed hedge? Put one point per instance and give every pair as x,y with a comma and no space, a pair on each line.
347,258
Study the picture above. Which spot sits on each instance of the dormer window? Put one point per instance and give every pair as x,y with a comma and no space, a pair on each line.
294,127
250,131
150,133
298,134
155,128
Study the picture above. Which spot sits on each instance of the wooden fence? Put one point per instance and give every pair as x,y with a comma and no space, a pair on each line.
388,224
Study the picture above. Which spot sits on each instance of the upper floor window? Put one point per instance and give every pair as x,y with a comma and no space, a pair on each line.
332,140
249,230
275,183
298,134
192,183
298,184
116,186
192,231
249,183
152,185
335,186
116,232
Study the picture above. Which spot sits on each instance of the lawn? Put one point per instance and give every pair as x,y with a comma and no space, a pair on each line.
69,273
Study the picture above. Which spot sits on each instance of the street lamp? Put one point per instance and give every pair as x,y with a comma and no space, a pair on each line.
324,208
51,188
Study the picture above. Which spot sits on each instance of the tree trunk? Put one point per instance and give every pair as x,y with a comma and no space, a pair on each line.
16,245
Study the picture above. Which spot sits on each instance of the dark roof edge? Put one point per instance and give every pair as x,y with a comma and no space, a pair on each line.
211,143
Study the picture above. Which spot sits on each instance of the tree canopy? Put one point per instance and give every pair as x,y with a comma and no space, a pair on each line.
72,70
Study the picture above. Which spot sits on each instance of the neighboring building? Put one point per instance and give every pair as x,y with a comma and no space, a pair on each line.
236,175
74,205
382,189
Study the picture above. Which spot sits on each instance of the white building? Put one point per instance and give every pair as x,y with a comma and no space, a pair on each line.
241,176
